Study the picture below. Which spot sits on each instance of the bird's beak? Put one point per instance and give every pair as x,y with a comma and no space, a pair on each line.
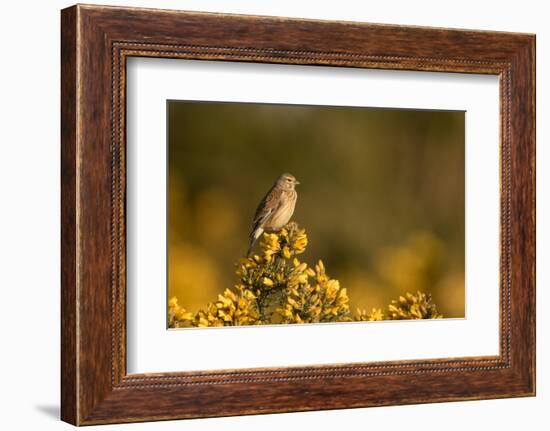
296,182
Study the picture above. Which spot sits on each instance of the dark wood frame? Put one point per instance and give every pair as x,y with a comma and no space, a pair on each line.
95,43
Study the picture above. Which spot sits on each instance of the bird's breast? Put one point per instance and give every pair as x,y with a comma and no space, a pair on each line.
281,216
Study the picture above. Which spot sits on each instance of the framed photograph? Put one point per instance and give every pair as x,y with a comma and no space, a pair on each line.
322,214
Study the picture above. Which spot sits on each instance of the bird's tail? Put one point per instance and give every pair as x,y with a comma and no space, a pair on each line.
253,238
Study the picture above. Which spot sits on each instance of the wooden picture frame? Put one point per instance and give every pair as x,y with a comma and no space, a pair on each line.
95,43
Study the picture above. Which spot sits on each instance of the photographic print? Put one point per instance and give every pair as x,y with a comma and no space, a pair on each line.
284,214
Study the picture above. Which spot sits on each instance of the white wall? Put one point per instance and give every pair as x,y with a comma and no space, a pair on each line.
29,213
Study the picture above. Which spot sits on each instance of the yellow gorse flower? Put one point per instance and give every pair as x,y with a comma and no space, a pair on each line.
274,286
177,316
375,314
419,306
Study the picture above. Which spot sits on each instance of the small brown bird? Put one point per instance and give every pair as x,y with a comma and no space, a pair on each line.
275,209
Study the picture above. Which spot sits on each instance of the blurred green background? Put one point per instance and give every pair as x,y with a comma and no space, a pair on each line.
381,196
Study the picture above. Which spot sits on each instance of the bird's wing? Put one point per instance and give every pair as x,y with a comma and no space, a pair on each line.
267,206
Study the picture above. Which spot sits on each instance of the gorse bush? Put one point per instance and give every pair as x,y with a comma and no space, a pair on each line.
274,286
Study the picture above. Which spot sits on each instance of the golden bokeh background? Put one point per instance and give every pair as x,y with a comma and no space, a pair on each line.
381,197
